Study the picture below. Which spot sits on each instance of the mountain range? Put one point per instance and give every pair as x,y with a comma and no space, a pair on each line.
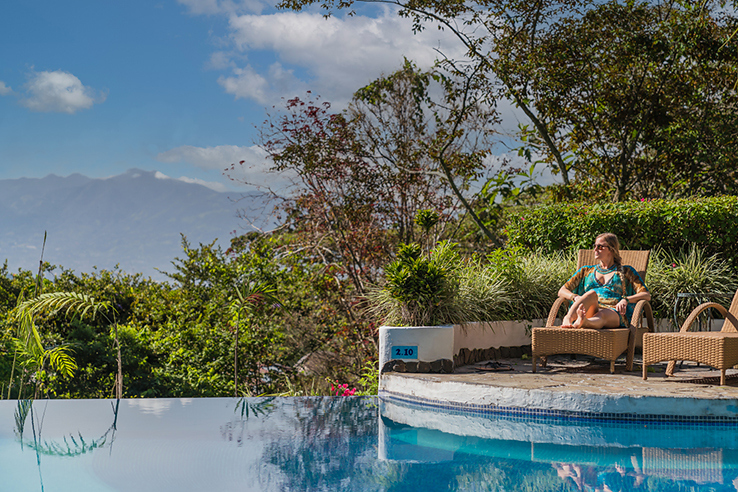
134,220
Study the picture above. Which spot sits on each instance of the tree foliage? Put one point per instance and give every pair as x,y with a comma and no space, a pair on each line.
180,338
363,174
635,98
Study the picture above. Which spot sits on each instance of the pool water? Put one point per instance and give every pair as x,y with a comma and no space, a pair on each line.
344,443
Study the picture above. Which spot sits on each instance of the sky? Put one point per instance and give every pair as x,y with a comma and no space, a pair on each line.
178,86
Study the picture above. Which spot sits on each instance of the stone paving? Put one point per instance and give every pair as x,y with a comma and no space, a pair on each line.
584,374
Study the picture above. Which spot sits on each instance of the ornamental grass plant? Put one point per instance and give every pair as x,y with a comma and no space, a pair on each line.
514,284
444,288
690,271
420,289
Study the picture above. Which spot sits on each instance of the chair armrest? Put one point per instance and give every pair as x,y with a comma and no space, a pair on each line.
699,310
643,307
555,311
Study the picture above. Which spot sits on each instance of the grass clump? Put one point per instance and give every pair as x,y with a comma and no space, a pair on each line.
444,288
690,270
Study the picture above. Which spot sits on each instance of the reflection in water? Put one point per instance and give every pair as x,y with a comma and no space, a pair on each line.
594,456
332,444
69,445
245,408
347,444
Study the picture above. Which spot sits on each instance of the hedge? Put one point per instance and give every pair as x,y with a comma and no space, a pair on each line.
710,223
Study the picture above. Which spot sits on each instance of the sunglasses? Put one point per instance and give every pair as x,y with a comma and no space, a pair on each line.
600,246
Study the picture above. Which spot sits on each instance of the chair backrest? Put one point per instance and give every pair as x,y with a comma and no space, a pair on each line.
638,259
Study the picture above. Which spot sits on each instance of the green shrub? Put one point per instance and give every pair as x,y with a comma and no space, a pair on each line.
708,223
505,285
419,289
691,271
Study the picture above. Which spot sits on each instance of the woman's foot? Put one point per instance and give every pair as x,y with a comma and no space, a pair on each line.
581,321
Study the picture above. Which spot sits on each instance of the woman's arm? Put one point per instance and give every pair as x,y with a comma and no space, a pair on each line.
573,283
622,304
567,294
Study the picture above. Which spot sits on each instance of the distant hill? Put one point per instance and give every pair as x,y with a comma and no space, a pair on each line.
134,220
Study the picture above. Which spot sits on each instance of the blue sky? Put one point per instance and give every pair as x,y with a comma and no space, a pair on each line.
99,87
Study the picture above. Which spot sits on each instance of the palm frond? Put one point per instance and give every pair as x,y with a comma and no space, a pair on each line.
70,302
252,294
61,361
28,336
21,413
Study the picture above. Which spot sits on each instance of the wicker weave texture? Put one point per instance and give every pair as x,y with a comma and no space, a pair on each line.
607,344
716,349
700,465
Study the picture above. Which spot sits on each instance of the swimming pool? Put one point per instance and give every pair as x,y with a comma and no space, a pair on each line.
344,443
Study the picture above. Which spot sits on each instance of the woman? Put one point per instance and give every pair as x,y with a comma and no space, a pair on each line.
603,295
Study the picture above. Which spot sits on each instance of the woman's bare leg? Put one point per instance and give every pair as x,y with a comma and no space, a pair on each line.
571,319
588,308
603,318
589,314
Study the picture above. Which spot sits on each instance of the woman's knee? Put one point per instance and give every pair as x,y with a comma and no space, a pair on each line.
610,317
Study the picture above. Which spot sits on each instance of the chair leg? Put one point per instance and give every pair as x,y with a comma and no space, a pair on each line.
612,367
670,368
645,372
534,362
544,360
631,352
722,377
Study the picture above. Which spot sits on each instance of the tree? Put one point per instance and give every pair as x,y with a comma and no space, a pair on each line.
364,173
635,97
643,97
249,298
34,355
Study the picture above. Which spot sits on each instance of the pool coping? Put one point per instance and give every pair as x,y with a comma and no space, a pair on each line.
603,397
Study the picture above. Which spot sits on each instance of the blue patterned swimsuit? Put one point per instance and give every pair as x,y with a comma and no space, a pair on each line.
624,282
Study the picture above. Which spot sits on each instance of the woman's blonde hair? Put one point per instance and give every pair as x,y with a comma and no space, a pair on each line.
614,244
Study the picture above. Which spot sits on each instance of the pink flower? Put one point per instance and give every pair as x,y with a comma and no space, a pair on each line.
342,389
673,265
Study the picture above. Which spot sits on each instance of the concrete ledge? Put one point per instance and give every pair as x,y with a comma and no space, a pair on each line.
570,396
415,343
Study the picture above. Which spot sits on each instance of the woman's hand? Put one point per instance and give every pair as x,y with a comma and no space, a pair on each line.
621,306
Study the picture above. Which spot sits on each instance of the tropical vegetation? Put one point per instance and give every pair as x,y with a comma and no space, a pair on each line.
398,213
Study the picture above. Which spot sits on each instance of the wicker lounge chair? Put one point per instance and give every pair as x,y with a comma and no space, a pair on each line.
607,343
718,349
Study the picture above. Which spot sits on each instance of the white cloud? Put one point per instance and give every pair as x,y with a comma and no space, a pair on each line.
60,92
208,184
156,407
220,157
254,169
220,60
339,55
248,84
4,89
